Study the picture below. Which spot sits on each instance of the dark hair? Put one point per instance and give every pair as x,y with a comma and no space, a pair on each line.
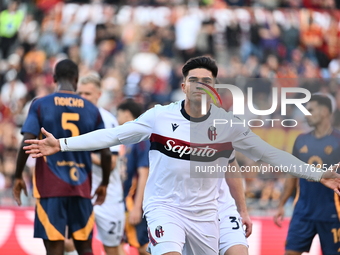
66,70
322,100
131,106
200,62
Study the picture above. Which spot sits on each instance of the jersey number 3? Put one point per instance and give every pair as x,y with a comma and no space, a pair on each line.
234,220
65,124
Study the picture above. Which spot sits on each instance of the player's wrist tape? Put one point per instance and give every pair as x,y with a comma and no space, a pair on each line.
63,144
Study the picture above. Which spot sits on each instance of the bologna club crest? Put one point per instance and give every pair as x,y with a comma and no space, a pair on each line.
159,231
212,133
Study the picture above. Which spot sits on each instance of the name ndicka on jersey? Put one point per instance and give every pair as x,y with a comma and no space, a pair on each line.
186,150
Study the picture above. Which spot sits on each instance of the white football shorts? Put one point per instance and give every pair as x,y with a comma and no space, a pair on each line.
174,232
231,232
110,222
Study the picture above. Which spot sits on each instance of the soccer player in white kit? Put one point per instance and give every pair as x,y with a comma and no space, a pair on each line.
181,211
110,216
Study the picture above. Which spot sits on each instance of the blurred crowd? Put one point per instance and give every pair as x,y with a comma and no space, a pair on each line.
139,47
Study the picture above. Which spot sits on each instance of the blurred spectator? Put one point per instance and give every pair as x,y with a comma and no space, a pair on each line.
167,40
334,68
10,21
206,41
5,112
29,32
233,37
312,39
332,38
290,33
270,35
187,28
50,37
71,31
12,91
88,50
252,45
107,30
311,77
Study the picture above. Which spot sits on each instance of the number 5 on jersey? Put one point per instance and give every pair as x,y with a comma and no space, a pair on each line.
65,124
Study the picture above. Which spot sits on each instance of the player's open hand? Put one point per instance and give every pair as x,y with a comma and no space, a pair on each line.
19,184
331,179
100,193
45,147
246,221
279,215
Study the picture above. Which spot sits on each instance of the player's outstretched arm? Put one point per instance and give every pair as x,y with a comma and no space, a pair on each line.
39,148
255,148
129,133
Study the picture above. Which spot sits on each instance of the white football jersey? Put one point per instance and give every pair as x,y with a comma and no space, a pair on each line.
181,146
114,192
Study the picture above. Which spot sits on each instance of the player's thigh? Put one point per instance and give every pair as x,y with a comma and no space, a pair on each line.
201,237
50,218
110,224
329,234
232,237
80,218
238,249
166,233
300,234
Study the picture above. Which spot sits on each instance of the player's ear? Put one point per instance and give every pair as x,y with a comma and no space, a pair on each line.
183,85
54,78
